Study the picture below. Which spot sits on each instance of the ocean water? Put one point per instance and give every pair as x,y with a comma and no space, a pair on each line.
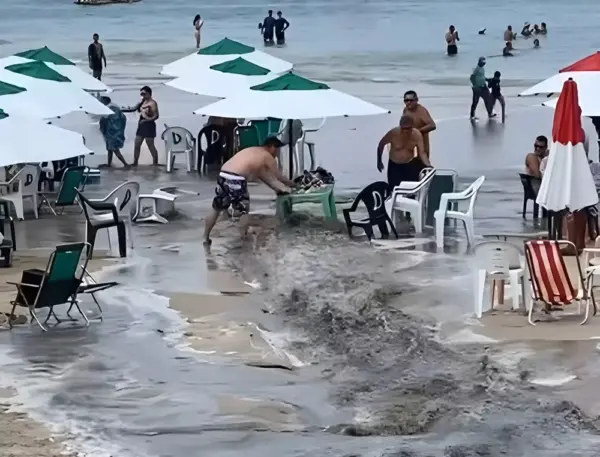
377,380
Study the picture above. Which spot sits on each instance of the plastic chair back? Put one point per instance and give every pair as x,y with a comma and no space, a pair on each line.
373,196
425,179
497,257
472,192
443,182
124,197
178,139
529,192
29,177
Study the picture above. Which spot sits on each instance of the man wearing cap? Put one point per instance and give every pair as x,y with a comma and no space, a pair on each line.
257,162
407,155
480,90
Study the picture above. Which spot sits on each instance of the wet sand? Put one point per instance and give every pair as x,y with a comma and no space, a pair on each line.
20,436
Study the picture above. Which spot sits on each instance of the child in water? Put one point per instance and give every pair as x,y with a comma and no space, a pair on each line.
494,85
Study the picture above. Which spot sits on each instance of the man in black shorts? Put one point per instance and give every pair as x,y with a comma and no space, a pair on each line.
257,162
281,25
267,27
96,57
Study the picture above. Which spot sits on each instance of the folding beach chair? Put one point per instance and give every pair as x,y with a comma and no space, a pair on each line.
73,179
550,279
60,283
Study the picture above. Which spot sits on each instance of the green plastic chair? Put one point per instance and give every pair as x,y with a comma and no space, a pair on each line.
326,197
247,137
266,128
73,179
58,284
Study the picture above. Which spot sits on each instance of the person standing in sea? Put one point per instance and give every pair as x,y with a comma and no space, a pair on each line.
198,23
96,57
421,118
480,90
281,25
451,39
267,27
146,131
113,130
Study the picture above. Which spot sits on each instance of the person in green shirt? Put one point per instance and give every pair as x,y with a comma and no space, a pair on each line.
480,90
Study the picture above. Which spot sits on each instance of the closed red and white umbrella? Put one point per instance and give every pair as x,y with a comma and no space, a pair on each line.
567,182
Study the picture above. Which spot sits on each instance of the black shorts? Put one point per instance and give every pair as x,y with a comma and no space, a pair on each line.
280,37
268,35
146,129
452,49
231,190
398,172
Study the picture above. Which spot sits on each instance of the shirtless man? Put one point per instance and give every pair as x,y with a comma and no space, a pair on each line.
407,156
509,34
534,159
421,118
249,164
451,39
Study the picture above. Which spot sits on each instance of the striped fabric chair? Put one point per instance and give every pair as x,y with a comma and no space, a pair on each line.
550,279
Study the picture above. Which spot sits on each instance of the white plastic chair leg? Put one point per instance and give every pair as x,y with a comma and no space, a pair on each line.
34,201
190,160
515,288
170,161
470,232
129,230
19,209
418,220
480,277
439,230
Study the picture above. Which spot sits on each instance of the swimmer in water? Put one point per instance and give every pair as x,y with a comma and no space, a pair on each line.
451,39
506,52
536,43
508,34
267,28
198,23
543,29
536,29
496,94
526,31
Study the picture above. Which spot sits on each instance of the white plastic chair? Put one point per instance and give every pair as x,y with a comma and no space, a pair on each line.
299,150
124,197
179,140
401,199
498,261
443,213
24,184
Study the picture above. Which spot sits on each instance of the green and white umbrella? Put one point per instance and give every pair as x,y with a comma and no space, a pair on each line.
60,64
223,79
29,140
220,52
290,96
35,89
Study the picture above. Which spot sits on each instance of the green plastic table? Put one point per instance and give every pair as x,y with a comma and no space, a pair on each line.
325,196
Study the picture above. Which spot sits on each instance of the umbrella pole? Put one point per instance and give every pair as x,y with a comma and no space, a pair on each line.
291,147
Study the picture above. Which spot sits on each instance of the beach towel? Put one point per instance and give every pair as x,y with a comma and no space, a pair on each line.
113,128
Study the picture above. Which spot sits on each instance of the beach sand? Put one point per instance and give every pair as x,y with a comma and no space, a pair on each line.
22,437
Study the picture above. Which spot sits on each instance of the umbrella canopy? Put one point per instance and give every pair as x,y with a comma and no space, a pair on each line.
35,89
290,97
567,182
58,63
590,105
585,72
29,140
224,79
223,51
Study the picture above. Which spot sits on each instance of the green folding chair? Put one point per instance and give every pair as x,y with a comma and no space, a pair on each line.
267,128
59,284
73,179
246,137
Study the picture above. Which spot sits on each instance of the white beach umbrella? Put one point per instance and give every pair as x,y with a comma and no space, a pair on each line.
223,79
567,182
585,72
34,89
220,52
29,140
590,105
58,63
290,97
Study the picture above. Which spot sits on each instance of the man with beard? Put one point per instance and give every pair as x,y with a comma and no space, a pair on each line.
406,156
